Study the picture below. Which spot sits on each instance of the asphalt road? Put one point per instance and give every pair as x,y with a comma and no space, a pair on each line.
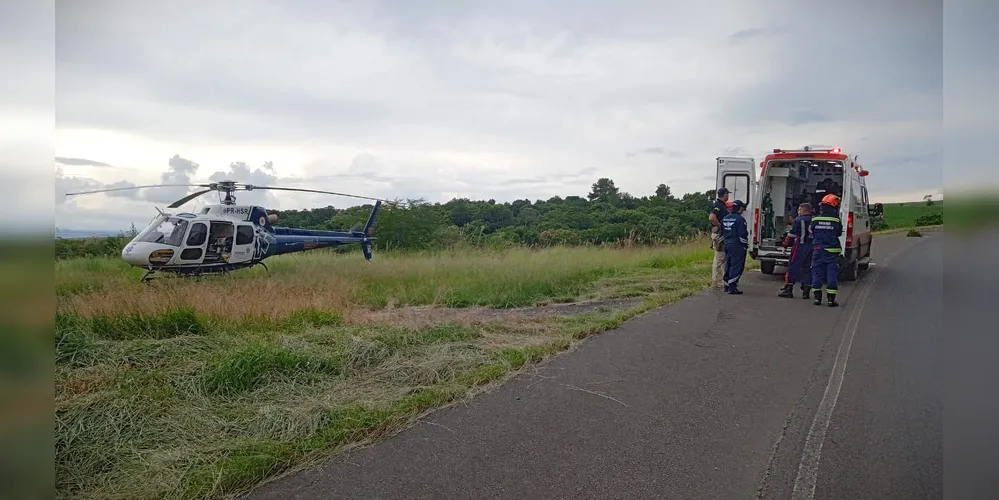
715,397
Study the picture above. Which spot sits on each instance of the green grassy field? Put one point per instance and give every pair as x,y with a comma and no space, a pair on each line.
911,214
203,388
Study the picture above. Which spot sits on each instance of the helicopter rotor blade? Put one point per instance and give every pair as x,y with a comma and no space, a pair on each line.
137,187
189,198
250,187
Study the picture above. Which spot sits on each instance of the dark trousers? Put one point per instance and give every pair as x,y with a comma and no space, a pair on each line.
825,267
735,264
798,266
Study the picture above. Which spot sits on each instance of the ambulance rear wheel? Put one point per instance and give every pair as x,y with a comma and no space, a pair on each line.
850,271
767,266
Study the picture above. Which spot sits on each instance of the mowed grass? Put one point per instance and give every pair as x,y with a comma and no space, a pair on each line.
201,388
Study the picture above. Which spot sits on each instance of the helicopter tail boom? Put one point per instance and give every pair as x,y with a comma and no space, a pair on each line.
295,240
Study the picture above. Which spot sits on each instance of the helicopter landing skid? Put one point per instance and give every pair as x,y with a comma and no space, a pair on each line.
224,271
146,278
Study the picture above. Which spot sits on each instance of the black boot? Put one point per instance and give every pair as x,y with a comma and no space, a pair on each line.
831,300
787,291
806,291
817,297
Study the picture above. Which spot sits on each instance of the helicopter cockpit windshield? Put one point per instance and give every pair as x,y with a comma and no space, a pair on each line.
164,230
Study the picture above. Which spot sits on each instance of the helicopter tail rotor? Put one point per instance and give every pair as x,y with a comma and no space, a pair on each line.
366,241
371,218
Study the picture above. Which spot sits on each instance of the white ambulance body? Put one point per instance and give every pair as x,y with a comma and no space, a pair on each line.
787,178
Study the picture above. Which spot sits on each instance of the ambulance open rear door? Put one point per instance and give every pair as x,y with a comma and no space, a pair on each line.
738,174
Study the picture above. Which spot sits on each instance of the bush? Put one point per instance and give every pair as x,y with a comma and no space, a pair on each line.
934,219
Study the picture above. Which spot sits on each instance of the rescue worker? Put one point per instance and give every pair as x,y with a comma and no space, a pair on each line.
826,229
800,240
715,216
735,234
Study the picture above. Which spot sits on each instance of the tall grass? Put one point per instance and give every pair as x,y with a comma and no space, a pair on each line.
326,280
200,388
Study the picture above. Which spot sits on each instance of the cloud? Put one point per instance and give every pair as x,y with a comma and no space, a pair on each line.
657,150
81,161
505,100
176,181
179,172
746,35
261,176
72,184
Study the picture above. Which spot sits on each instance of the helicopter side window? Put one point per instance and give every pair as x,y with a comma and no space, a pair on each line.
244,235
198,235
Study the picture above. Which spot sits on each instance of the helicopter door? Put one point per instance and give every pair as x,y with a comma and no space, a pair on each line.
242,251
220,242
194,245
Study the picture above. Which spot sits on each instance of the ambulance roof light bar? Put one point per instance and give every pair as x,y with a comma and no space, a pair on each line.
810,149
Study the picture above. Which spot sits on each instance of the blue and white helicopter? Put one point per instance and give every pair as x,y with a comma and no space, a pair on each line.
225,237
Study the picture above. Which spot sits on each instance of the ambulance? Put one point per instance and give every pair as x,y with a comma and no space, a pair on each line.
789,177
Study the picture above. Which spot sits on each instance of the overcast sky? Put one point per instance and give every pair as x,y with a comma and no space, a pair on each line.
438,99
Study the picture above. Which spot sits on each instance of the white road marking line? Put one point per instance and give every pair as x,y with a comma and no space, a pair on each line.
808,468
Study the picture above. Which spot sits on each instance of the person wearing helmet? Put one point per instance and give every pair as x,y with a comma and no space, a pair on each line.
799,239
735,235
826,229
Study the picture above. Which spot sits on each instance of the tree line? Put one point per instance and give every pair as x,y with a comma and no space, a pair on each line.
606,215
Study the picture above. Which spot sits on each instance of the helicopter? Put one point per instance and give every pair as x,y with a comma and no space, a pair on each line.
226,237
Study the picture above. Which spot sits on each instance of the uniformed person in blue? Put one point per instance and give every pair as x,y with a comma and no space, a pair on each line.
799,264
719,210
826,229
735,235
